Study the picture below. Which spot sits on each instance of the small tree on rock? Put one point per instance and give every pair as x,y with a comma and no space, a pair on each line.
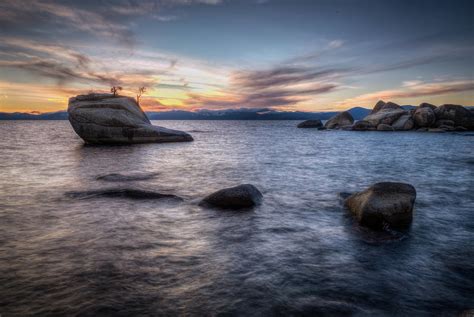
141,91
115,90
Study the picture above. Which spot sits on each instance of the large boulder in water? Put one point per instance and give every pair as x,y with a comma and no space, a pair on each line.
424,116
311,124
458,114
383,204
340,120
109,119
238,197
404,123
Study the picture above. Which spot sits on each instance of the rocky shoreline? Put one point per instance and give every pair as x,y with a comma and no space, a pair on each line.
388,116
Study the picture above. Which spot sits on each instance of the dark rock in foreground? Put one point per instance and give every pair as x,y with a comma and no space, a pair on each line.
109,119
238,197
340,120
134,193
383,204
310,124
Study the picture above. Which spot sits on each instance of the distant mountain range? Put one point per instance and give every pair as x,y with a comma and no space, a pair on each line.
228,114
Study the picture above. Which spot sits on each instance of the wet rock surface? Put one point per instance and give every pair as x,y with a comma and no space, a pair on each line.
238,197
382,205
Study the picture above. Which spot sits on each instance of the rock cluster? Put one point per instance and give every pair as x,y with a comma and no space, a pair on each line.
388,116
109,119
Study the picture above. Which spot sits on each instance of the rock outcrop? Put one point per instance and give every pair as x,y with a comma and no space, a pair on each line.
238,197
458,114
383,204
342,119
311,124
425,117
109,119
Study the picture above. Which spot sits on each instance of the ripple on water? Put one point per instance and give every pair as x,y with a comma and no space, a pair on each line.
299,253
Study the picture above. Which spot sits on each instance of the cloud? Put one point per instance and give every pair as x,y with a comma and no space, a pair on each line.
104,19
414,89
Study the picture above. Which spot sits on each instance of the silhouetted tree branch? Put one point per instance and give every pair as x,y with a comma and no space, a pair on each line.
115,89
141,91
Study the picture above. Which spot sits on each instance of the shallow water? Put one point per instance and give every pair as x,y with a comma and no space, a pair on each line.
299,253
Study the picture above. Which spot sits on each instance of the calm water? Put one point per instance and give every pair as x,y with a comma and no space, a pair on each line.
299,253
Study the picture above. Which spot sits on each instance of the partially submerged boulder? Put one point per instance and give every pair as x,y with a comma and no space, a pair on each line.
109,119
383,204
340,120
311,124
238,197
124,192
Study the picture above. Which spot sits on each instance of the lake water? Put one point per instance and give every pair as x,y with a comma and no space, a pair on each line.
299,253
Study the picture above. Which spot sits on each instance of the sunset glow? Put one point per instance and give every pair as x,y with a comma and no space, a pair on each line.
202,54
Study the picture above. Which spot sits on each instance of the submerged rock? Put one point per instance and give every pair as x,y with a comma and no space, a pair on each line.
117,177
126,192
238,197
383,204
340,120
109,119
311,124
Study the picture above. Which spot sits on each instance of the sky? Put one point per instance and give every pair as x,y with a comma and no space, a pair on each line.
291,55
